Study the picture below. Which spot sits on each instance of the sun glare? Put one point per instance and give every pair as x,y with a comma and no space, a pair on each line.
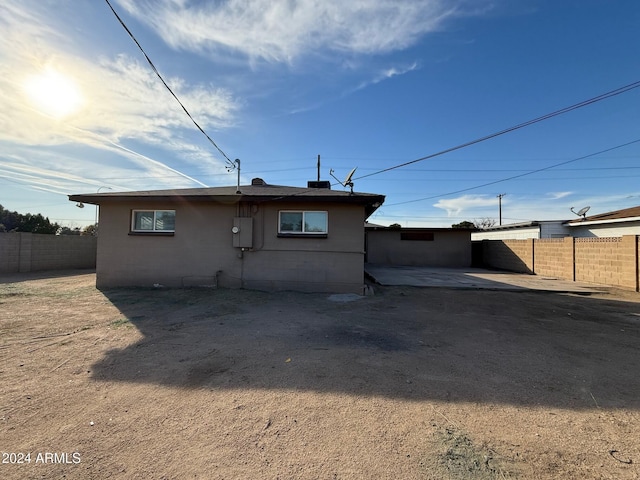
53,93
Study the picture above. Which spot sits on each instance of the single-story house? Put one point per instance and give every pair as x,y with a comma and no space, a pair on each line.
610,224
251,236
425,247
524,230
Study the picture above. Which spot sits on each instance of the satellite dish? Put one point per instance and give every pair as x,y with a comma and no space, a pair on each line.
582,212
348,182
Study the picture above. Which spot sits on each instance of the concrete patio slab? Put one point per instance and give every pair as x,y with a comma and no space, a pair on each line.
473,278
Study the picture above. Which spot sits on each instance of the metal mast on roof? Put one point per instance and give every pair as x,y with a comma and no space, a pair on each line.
500,206
235,165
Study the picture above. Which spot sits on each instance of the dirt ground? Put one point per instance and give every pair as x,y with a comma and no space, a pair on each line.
235,384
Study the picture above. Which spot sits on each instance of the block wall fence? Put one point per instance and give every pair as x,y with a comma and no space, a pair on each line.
31,252
610,261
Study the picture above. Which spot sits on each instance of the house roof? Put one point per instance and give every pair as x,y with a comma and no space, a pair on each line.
257,192
382,228
515,226
625,215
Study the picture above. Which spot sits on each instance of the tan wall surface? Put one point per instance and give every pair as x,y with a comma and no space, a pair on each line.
448,249
9,252
511,255
201,250
607,260
30,252
196,252
554,257
610,261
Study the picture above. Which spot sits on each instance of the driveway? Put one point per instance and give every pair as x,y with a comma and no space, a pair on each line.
473,278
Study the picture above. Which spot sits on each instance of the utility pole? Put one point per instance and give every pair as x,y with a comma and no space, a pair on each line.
500,206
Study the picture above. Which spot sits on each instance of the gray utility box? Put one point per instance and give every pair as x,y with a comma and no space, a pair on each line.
242,232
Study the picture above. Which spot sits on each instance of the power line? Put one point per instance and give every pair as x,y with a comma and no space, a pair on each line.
153,67
570,108
518,176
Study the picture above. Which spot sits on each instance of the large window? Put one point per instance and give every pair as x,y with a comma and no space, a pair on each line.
162,221
302,223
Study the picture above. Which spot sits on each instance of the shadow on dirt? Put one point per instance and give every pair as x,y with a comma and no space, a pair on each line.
520,348
17,277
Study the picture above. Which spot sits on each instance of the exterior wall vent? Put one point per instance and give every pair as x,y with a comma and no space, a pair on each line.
319,184
258,181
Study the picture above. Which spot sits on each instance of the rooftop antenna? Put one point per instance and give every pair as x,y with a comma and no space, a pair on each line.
582,212
500,206
347,181
318,167
235,165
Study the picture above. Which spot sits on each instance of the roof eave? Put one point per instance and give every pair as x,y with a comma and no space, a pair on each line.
371,201
580,223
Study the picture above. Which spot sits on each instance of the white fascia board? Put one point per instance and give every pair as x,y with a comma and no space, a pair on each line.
603,222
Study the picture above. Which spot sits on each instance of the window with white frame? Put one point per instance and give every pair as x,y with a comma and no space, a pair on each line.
302,223
149,221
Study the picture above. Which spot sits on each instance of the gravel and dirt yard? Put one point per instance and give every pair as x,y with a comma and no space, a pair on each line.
411,383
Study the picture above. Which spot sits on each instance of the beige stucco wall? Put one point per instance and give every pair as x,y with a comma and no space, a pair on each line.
449,248
201,251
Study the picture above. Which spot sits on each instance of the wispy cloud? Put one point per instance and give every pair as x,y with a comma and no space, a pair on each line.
456,206
283,31
558,195
387,74
123,104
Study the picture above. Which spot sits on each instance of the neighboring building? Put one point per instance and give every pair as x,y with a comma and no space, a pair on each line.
255,236
428,247
523,231
610,224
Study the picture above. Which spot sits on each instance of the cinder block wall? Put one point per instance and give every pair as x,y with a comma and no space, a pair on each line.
637,264
554,257
610,261
511,255
607,260
29,252
9,252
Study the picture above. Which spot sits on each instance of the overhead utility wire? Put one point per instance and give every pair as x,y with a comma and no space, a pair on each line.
153,67
518,176
584,103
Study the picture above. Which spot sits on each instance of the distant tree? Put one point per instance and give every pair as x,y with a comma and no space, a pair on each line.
484,222
34,223
395,226
69,231
465,224
90,230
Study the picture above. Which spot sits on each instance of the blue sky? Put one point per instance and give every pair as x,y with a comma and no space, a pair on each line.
368,84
